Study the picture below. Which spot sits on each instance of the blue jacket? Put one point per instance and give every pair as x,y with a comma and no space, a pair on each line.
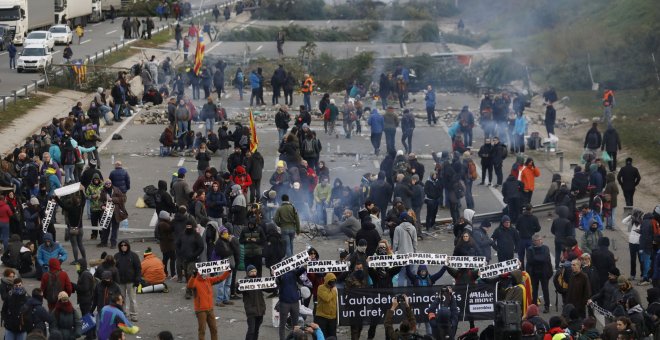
215,202
120,179
585,221
55,251
521,126
288,285
109,319
12,50
254,81
55,183
376,122
429,98
55,153
596,179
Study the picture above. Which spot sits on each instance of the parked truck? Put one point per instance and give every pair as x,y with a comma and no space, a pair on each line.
75,12
23,16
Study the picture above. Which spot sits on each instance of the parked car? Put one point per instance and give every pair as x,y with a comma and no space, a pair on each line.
62,34
34,58
5,37
40,38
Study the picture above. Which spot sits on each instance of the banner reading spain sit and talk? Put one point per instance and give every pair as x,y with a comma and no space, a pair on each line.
476,302
199,54
254,140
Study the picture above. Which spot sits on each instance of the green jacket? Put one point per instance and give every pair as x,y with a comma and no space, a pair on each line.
390,120
322,194
334,112
286,217
93,192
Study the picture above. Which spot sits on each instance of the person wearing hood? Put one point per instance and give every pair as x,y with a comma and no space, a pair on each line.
112,317
12,317
407,128
595,179
153,270
41,319
104,289
608,295
506,240
612,145
32,218
93,194
253,239
579,288
588,217
47,251
189,248
532,316
66,319
326,309
118,198
539,267
636,313
205,180
238,210
591,237
527,225
602,258
380,193
84,287
369,233
11,257
551,195
512,193
516,292
242,178
55,277
593,140
255,306
73,206
130,270
628,178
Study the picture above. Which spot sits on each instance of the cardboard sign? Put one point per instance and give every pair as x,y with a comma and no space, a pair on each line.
289,264
495,269
384,261
67,190
466,262
257,283
428,259
211,267
327,266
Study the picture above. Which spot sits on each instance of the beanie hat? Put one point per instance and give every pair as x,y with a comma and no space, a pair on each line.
250,268
63,296
106,275
362,242
527,328
614,271
147,251
182,171
506,218
164,215
34,201
485,224
621,280
223,230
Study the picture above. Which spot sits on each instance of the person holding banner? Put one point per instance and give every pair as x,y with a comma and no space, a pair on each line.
189,247
255,306
93,194
203,302
289,303
506,240
118,198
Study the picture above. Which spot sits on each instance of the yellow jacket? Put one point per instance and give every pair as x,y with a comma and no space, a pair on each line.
327,298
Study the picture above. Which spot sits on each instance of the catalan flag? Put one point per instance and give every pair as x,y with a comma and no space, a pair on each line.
254,140
199,54
80,69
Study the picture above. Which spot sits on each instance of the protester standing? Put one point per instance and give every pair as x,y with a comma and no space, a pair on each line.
539,267
506,240
429,101
11,50
130,271
628,178
255,306
390,123
286,217
202,285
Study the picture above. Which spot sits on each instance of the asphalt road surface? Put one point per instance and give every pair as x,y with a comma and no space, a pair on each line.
139,152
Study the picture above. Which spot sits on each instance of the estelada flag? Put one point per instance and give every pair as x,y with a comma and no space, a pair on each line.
464,59
199,54
80,69
254,140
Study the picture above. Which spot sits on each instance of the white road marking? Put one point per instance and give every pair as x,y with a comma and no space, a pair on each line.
181,160
56,52
214,46
113,31
86,41
327,22
403,23
357,48
119,128
290,22
405,49
96,24
3,53
258,48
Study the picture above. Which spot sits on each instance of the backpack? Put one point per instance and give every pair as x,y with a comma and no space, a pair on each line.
560,279
28,318
69,156
53,288
308,148
89,135
472,170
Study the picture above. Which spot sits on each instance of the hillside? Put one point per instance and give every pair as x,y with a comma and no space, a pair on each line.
556,39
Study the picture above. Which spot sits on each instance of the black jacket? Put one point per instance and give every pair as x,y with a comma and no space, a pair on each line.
485,153
506,242
528,225
539,261
611,140
511,189
497,154
189,246
603,260
593,140
380,192
369,233
164,200
85,285
128,265
561,226
255,165
628,177
433,189
254,302
102,294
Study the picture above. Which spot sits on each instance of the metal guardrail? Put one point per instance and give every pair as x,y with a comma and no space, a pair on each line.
25,89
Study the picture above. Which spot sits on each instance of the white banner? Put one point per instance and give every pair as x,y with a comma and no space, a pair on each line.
48,215
384,261
257,283
327,266
466,262
289,264
67,190
106,218
428,259
211,267
496,269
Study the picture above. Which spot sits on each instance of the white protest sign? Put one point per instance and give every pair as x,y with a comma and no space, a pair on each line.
107,216
466,262
67,190
48,215
384,261
211,267
499,268
428,259
327,266
257,283
289,264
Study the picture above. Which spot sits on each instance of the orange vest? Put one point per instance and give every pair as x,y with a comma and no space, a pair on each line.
608,96
308,85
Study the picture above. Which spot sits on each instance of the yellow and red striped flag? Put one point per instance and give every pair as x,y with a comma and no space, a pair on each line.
199,54
254,140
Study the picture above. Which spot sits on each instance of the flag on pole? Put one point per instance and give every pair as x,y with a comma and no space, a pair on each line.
80,69
254,140
465,60
199,54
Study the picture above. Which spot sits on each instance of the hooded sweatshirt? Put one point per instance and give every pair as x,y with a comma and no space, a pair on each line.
85,285
55,272
327,298
54,251
405,238
204,290
153,270
128,264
